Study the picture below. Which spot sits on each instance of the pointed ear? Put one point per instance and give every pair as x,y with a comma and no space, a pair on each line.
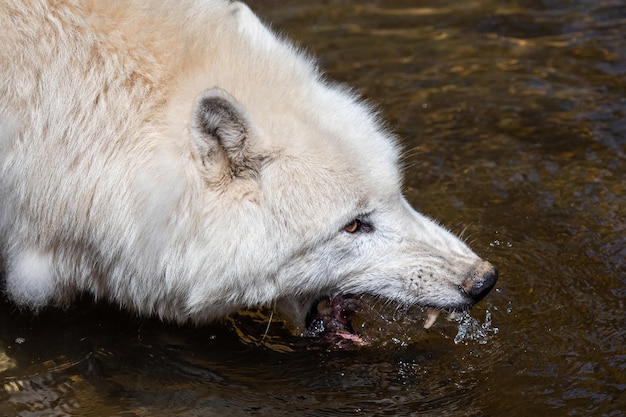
221,131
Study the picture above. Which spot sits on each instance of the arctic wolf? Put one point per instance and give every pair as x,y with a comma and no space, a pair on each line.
179,159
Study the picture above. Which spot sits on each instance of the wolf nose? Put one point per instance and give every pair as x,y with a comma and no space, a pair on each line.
481,281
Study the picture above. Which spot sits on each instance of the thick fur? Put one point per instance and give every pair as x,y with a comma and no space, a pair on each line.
177,158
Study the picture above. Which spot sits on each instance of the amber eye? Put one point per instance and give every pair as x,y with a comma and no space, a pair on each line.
353,226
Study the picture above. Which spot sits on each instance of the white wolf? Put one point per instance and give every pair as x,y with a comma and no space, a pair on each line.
180,160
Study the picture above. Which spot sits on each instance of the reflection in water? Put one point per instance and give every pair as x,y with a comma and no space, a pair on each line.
513,117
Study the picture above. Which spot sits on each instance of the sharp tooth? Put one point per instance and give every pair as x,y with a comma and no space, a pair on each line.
453,315
432,318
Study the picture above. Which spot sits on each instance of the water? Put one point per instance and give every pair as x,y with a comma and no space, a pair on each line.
513,117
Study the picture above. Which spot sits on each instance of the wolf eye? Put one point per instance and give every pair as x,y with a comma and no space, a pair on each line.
358,225
353,226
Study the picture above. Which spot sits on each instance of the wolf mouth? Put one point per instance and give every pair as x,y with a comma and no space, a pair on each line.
331,317
331,313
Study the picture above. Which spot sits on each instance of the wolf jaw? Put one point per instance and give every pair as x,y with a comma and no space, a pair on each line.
330,316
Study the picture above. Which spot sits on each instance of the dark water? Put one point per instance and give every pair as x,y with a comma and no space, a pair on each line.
513,115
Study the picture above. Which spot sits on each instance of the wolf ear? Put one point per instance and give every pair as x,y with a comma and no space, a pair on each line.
220,131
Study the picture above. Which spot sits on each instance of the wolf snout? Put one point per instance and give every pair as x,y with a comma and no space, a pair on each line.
481,281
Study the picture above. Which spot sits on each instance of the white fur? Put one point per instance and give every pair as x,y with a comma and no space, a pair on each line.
30,278
104,190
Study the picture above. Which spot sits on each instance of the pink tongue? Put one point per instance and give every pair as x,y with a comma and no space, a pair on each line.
352,338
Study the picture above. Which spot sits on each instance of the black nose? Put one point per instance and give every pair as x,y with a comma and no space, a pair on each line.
481,281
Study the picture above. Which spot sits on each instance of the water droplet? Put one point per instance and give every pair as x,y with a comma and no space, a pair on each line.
472,330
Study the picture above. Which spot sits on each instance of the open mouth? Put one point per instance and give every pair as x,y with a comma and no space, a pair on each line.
331,318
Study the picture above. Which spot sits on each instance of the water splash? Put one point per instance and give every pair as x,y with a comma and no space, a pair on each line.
472,330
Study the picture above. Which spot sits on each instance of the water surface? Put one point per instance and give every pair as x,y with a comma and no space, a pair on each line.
513,118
